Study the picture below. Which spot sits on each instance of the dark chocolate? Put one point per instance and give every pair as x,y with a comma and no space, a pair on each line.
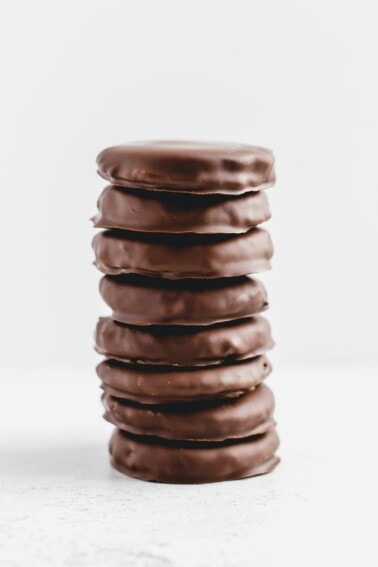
185,462
191,167
184,345
148,211
139,300
159,385
247,415
184,348
119,252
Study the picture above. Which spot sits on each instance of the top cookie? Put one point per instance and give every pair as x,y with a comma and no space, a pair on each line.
188,167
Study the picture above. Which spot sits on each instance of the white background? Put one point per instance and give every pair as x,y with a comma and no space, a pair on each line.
299,77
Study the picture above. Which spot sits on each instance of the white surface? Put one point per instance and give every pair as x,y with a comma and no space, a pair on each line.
299,77
61,504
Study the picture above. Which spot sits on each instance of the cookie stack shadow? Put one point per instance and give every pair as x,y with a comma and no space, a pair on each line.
185,346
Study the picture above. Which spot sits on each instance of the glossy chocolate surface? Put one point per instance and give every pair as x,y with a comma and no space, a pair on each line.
153,301
147,211
162,385
120,252
191,167
230,418
184,345
196,462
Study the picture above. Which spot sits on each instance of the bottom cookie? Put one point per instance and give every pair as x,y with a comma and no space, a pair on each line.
155,459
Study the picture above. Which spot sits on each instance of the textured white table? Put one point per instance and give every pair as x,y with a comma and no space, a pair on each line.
61,504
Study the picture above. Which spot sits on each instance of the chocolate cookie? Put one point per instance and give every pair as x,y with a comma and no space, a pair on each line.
140,300
247,415
162,212
185,345
191,167
193,462
157,385
120,252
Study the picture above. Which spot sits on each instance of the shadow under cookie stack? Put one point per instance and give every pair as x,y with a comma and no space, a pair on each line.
185,345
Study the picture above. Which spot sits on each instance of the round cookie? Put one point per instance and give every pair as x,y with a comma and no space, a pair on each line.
120,252
162,212
247,415
139,300
191,167
156,385
184,346
193,462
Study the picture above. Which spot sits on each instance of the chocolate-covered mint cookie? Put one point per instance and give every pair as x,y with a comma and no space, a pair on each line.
189,167
146,211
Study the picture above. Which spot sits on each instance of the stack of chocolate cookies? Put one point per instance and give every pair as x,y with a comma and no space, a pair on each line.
185,345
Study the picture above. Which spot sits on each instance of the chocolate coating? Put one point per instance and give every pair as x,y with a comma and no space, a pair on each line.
184,346
171,257
191,167
156,385
179,462
249,414
163,212
151,301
